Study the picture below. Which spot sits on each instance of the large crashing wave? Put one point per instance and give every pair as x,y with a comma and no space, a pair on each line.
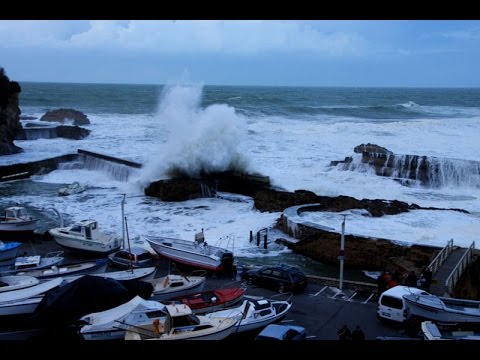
199,140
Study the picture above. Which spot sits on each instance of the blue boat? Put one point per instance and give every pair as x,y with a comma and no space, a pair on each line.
9,250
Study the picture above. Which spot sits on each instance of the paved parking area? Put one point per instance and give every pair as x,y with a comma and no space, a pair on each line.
322,310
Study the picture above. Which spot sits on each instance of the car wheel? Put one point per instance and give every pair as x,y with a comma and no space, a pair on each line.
281,288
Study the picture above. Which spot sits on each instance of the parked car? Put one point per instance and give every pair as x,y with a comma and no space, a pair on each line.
278,277
282,332
138,257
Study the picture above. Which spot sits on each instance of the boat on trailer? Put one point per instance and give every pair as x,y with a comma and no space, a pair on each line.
194,253
442,309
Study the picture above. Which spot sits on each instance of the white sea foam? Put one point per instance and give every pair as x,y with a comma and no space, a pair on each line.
295,153
198,139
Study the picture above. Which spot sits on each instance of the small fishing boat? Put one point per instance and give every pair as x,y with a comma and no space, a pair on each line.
141,319
255,313
17,221
73,188
15,282
442,309
92,266
179,323
26,300
135,274
35,262
173,285
85,236
441,331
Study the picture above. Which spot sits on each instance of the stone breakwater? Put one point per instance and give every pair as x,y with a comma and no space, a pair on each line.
407,169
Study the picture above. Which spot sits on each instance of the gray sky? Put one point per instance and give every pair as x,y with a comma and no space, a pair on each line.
427,53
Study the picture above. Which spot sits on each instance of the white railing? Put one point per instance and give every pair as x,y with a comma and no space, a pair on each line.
441,257
463,263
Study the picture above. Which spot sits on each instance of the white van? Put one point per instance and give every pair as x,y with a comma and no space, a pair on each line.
392,306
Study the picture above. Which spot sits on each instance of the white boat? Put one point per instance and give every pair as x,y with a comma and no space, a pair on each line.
73,188
194,253
109,324
172,285
439,331
256,313
85,236
16,282
9,250
442,309
34,262
179,323
92,266
20,307
135,274
138,314
26,300
16,220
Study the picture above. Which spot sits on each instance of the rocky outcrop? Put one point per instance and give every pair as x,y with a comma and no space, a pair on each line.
69,116
9,114
360,252
72,132
316,243
44,132
272,200
407,169
207,185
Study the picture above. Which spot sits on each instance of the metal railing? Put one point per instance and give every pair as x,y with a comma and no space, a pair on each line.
458,270
441,257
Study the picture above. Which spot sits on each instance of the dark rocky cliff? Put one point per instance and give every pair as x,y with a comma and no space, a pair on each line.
10,124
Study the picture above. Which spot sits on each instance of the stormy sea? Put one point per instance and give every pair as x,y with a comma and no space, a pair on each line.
290,134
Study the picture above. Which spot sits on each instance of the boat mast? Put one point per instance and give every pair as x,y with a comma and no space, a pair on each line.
123,221
341,254
129,250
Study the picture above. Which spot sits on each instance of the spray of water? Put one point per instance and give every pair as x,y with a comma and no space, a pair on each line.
200,140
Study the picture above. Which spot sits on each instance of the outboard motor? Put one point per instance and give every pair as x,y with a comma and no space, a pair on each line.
227,261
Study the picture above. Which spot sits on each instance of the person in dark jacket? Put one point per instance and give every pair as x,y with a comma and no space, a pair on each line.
411,279
344,333
358,334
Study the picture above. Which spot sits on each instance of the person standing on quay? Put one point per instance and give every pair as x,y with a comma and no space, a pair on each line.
358,334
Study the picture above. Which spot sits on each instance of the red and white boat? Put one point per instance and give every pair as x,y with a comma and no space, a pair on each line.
214,300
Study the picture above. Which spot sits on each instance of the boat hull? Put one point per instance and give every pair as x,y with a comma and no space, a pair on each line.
17,226
432,308
188,253
202,303
19,307
9,250
89,246
159,296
